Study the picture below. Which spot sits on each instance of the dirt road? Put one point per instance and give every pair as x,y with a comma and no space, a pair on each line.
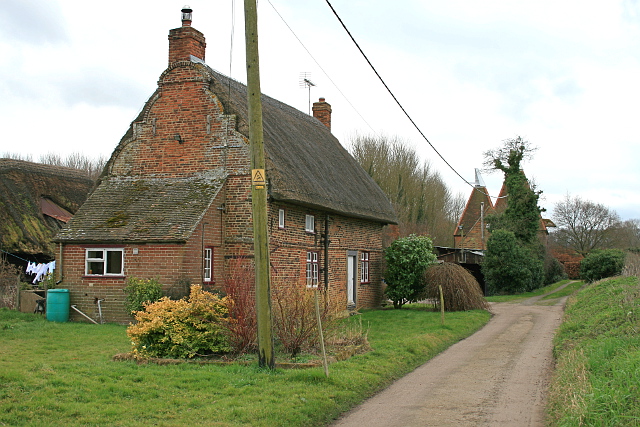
497,377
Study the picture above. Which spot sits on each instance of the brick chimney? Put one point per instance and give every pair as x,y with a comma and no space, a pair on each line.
186,40
322,111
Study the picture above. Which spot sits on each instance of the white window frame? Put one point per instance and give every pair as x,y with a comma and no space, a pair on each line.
312,269
364,267
207,274
104,260
310,224
281,218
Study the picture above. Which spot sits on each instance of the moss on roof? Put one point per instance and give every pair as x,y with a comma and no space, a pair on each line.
134,209
23,227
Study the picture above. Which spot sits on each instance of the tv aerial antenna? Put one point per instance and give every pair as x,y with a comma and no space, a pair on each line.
308,84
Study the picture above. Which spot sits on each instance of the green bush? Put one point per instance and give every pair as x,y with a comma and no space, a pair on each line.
140,292
407,259
553,270
185,328
509,267
603,263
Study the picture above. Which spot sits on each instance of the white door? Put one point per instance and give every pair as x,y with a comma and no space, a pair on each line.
352,271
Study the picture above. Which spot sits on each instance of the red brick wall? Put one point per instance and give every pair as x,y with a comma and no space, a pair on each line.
183,106
472,239
289,247
186,41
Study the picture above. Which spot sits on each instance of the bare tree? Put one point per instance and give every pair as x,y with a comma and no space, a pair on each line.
583,225
92,166
627,235
509,157
423,202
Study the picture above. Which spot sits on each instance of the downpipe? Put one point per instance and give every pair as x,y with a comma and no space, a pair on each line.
100,310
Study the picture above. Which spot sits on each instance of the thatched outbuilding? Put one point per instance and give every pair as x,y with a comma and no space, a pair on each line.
36,200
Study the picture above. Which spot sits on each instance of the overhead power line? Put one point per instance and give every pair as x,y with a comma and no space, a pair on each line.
394,97
320,66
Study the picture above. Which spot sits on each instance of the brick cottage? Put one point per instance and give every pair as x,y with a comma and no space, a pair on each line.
174,200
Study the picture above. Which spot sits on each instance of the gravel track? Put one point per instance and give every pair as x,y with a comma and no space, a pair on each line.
499,376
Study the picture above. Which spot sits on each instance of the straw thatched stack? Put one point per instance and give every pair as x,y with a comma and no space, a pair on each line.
461,290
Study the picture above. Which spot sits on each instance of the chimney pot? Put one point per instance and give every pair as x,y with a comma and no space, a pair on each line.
186,16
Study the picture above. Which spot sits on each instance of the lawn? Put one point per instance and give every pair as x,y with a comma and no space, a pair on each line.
63,374
597,348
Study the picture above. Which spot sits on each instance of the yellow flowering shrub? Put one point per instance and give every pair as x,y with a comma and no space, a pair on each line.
185,328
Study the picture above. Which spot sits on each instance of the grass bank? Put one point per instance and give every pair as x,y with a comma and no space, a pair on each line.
62,374
597,348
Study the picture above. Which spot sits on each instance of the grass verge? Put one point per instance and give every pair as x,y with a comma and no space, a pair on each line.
536,293
597,348
63,374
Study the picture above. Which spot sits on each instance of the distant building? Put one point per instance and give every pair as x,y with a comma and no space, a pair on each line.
472,230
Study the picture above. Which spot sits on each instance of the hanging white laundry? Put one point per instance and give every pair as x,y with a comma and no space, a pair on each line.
50,267
41,270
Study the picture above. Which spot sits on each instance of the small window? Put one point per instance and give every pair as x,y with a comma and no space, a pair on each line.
208,263
364,267
310,224
312,269
281,218
104,262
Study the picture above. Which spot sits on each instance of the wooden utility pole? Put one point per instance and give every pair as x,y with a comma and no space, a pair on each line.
258,190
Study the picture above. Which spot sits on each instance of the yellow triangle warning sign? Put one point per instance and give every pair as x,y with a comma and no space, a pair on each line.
258,177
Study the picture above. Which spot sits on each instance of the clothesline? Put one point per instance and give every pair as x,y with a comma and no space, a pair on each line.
40,270
15,256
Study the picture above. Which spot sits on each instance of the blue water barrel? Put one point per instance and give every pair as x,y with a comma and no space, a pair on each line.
58,305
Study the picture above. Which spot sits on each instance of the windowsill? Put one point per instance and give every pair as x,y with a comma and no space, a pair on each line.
102,276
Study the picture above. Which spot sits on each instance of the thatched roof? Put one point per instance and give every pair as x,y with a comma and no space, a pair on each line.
306,164
131,209
29,189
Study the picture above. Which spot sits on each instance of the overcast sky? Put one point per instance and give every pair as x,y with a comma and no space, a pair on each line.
564,75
